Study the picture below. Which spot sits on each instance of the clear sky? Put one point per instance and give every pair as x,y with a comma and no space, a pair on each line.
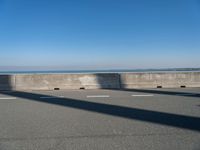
100,34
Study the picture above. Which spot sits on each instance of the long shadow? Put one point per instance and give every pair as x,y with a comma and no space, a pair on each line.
174,120
151,91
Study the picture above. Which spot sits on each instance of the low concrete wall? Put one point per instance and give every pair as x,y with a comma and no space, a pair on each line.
66,81
7,82
98,81
165,80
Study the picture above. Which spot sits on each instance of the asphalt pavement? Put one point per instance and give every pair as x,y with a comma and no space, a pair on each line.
138,119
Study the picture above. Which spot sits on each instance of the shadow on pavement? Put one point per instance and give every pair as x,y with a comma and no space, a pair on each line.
174,120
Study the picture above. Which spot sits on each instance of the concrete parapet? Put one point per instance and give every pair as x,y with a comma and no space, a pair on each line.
66,81
7,82
98,81
155,80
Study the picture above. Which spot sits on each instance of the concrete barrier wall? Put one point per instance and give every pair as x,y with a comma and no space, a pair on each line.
7,82
165,80
66,81
97,81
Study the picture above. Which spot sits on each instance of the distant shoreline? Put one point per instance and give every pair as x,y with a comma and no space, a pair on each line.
101,71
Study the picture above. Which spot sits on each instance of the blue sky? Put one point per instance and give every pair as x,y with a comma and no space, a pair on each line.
100,34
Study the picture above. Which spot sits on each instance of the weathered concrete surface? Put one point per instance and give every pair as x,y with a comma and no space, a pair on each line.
98,81
7,82
66,81
166,80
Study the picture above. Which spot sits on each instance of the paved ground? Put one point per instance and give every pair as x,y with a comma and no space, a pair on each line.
151,119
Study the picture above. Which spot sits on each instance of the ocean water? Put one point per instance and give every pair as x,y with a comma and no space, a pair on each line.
100,71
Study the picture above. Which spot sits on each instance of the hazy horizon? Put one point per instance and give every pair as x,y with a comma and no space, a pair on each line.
64,68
